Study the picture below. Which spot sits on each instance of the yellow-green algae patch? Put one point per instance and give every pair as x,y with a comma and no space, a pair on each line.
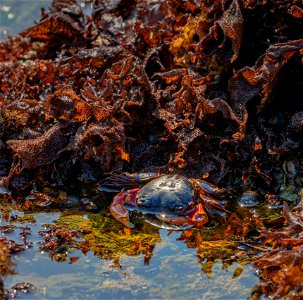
108,239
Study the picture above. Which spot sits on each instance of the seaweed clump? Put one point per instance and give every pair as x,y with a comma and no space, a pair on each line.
6,266
281,268
162,85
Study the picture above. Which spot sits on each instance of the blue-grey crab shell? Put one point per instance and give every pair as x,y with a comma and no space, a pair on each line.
168,194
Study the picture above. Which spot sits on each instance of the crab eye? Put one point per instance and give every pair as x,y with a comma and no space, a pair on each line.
180,208
200,218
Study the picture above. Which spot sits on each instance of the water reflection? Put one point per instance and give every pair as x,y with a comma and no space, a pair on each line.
141,263
17,15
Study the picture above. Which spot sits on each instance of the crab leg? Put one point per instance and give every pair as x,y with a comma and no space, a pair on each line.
212,206
207,192
127,180
118,210
210,189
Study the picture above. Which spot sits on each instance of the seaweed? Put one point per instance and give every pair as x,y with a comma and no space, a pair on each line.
109,240
207,89
281,267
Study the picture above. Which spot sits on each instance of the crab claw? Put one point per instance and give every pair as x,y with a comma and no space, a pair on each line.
118,210
198,216
120,213
212,206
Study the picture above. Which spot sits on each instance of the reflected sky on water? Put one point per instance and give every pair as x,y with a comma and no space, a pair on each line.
174,271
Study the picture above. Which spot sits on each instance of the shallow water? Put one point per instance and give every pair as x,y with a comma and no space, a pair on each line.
17,15
174,271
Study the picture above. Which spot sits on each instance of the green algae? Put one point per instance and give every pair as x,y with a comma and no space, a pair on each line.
108,239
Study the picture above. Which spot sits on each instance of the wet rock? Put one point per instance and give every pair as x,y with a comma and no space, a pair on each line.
289,169
249,199
296,121
88,205
4,191
24,287
273,201
70,202
290,194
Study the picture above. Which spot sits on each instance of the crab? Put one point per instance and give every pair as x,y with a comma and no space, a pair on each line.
172,199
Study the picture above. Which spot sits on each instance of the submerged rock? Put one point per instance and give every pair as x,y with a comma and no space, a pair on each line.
249,199
290,194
